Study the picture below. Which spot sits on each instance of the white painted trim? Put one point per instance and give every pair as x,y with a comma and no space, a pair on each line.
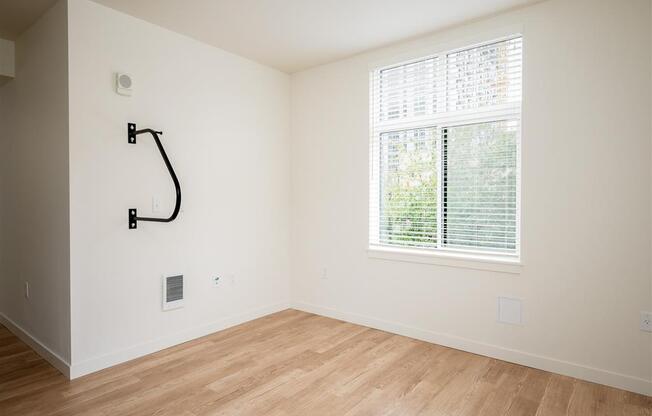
99,363
41,349
450,259
596,375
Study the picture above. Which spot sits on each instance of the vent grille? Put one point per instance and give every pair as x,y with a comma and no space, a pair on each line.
174,288
172,292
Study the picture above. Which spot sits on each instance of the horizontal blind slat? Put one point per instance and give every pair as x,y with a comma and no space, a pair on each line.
445,142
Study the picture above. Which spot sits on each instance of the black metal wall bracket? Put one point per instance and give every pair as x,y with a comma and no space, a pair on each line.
133,212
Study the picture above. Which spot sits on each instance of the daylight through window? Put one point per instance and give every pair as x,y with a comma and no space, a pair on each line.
445,168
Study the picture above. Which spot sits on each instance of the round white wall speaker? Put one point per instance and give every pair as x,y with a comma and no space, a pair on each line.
125,81
123,84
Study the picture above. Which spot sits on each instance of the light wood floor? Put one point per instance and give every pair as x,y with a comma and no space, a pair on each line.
294,363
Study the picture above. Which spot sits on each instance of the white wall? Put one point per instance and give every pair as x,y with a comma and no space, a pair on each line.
226,122
226,129
34,227
586,201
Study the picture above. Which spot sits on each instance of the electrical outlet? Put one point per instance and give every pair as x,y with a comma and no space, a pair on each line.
216,280
26,290
646,321
324,273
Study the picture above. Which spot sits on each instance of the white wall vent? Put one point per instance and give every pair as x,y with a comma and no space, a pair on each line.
172,292
509,311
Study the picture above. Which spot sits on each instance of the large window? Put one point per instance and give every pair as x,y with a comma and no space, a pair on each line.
445,166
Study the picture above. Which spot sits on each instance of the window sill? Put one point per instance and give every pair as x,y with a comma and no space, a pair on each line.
452,259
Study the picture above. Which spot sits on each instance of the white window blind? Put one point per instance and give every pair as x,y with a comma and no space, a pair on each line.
445,168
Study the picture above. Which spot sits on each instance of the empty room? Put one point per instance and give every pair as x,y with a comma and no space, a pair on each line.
325,207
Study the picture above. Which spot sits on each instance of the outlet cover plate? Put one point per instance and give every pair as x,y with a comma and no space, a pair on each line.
216,280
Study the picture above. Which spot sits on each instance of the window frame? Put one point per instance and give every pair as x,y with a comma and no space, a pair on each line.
443,119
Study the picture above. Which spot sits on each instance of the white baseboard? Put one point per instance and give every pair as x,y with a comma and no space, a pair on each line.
95,364
596,375
41,349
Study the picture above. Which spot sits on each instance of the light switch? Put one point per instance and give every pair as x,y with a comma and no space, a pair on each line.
156,205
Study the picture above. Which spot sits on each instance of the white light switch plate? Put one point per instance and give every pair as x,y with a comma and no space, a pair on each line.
156,205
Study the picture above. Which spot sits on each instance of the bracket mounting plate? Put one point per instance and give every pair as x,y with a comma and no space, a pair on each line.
131,133
133,218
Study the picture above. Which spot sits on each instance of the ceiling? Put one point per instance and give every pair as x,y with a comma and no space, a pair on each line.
292,35
18,15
